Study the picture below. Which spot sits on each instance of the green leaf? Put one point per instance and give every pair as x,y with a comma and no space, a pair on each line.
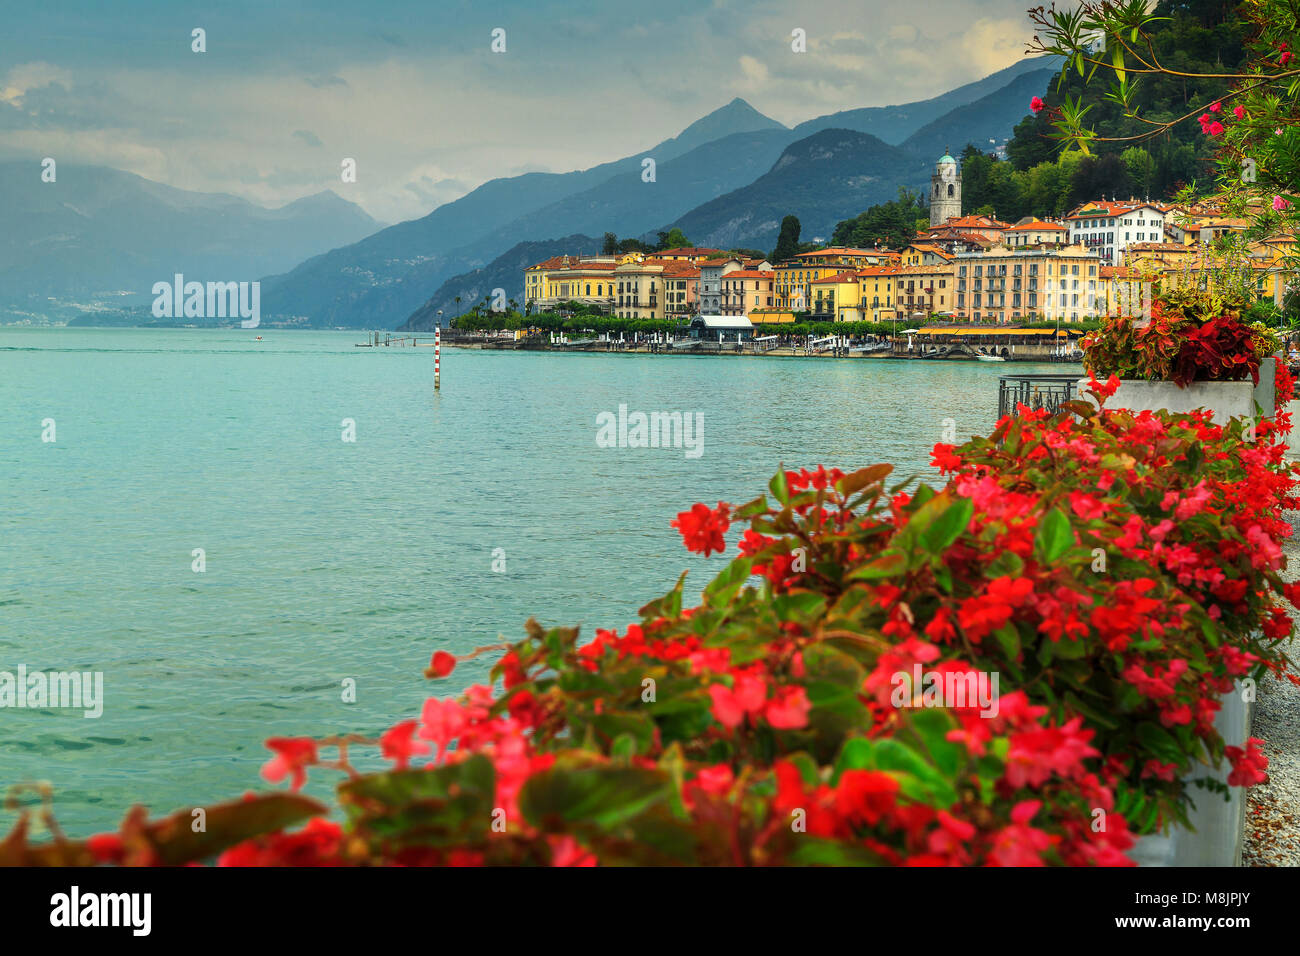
815,851
601,796
1160,742
1009,639
423,807
948,526
780,490
721,590
1054,536
889,563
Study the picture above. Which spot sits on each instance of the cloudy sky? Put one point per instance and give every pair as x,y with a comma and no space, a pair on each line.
413,92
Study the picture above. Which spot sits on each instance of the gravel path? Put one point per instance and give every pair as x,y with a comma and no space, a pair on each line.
1273,809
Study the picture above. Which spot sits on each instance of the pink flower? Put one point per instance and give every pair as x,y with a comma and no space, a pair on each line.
788,710
1215,128
293,755
1036,104
398,746
1281,204
1238,112
442,722
1214,108
730,705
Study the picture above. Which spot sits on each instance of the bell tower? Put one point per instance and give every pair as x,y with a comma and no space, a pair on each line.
945,191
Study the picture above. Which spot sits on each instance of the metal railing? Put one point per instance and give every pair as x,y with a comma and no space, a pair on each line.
1035,392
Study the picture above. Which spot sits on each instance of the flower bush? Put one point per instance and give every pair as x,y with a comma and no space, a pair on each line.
1116,573
1179,347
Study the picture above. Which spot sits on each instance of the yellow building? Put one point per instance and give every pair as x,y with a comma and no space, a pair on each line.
795,277
585,279
837,298
1005,285
877,296
925,288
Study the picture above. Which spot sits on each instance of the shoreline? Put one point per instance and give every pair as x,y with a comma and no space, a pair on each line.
782,352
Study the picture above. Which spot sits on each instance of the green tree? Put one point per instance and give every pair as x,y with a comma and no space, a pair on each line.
787,243
1141,167
892,223
610,246
673,238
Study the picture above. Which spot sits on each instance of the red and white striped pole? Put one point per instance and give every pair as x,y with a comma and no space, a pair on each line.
437,354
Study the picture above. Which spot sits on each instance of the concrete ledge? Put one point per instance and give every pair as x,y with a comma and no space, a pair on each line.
1225,399
1218,825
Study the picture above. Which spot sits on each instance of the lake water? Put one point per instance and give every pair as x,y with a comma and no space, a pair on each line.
327,559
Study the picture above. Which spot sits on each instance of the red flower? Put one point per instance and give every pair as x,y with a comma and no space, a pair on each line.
944,459
293,755
441,665
788,710
1036,104
397,744
731,704
703,528
1248,765
865,796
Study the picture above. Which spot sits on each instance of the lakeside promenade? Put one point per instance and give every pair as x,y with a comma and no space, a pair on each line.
990,345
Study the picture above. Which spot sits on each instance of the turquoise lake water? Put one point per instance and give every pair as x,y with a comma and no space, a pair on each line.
328,560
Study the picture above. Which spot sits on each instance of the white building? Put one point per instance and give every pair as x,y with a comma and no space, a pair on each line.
1109,227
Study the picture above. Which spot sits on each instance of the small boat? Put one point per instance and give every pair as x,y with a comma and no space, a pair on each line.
259,338
990,358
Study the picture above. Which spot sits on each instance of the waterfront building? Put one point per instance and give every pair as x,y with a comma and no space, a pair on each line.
1006,285
1031,231
837,298
876,294
1121,291
711,273
1110,227
639,288
795,276
585,279
692,254
682,290
924,254
966,229
945,190
746,289
925,288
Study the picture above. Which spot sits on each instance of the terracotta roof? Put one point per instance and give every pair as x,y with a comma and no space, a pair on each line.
839,251
879,271
1038,225
975,222
1120,272
938,269
688,251
1108,208
838,277
749,274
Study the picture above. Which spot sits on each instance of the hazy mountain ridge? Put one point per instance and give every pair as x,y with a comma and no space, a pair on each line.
97,231
504,272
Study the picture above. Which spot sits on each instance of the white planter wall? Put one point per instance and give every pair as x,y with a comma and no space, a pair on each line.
1218,825
1225,399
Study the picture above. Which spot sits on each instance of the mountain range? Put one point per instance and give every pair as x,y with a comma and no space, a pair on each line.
102,233
726,180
